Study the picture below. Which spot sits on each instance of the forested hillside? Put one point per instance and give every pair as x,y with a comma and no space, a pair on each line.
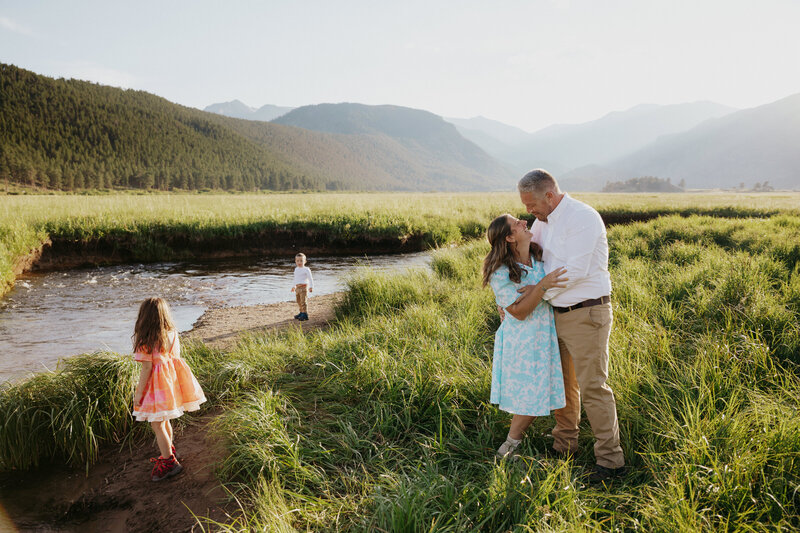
69,134
73,135
425,149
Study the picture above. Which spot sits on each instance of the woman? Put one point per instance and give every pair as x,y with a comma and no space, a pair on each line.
526,367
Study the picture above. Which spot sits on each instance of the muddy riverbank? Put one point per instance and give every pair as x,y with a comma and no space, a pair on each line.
61,254
222,327
173,244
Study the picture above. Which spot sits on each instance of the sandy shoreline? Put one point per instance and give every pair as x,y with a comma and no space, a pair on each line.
221,327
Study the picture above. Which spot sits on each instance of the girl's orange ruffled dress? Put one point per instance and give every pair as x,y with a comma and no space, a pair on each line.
171,389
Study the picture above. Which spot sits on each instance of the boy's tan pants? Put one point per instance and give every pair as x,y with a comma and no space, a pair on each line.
301,291
583,340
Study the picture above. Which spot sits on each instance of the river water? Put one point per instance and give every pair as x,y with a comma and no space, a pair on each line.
51,315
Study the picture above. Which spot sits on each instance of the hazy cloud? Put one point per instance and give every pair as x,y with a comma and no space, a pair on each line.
8,24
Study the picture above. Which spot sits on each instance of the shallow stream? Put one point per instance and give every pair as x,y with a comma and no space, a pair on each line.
51,315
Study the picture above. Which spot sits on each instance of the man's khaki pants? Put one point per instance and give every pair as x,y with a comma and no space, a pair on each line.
583,340
301,291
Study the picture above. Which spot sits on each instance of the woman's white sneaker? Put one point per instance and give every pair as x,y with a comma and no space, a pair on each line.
508,450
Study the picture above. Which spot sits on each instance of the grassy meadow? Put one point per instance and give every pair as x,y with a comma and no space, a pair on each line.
159,227
382,422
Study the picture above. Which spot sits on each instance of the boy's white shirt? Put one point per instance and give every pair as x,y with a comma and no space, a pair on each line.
302,275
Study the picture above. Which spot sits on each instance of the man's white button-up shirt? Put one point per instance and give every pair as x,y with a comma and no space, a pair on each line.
574,237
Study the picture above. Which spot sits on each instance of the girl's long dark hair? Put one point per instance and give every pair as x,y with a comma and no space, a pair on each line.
152,326
501,252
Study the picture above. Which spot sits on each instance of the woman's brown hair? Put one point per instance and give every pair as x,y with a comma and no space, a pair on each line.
501,252
152,326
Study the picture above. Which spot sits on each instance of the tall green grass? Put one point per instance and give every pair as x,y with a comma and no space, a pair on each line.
167,227
17,239
66,415
382,422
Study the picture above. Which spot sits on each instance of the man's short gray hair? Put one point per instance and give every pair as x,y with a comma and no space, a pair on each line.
539,181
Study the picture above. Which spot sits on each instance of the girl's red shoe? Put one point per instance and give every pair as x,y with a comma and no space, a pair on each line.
165,468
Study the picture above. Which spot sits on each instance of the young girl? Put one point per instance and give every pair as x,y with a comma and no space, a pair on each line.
526,367
166,386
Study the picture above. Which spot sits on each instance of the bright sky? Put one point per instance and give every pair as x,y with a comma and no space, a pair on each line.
526,63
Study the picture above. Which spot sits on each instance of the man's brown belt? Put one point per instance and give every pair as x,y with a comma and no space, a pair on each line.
585,303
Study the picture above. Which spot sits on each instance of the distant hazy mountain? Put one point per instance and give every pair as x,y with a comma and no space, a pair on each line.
234,108
561,148
493,136
238,109
430,150
750,146
488,143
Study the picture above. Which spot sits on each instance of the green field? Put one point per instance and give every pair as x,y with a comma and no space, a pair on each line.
382,422
174,226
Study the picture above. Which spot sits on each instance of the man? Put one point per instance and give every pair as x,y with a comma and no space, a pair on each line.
573,235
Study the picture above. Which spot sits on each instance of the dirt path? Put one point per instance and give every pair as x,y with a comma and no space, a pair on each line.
221,327
117,494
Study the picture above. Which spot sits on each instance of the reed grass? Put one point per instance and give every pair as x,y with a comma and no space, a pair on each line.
382,421
68,414
392,431
167,227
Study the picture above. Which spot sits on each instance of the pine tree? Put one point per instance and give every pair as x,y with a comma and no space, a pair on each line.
101,137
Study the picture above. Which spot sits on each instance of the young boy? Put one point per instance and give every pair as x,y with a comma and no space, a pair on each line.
302,282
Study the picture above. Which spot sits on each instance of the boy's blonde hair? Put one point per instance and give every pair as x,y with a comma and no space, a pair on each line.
301,254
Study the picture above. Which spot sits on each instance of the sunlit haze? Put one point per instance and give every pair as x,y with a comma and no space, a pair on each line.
525,63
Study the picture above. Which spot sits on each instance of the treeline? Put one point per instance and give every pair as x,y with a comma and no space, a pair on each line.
72,135
644,184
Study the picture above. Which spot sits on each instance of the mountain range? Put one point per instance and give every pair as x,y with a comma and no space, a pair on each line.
563,147
612,136
71,134
707,145
749,146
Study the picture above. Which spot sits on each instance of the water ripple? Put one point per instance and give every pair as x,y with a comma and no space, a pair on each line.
47,316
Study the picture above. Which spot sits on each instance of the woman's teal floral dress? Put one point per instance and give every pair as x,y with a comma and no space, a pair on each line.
526,369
